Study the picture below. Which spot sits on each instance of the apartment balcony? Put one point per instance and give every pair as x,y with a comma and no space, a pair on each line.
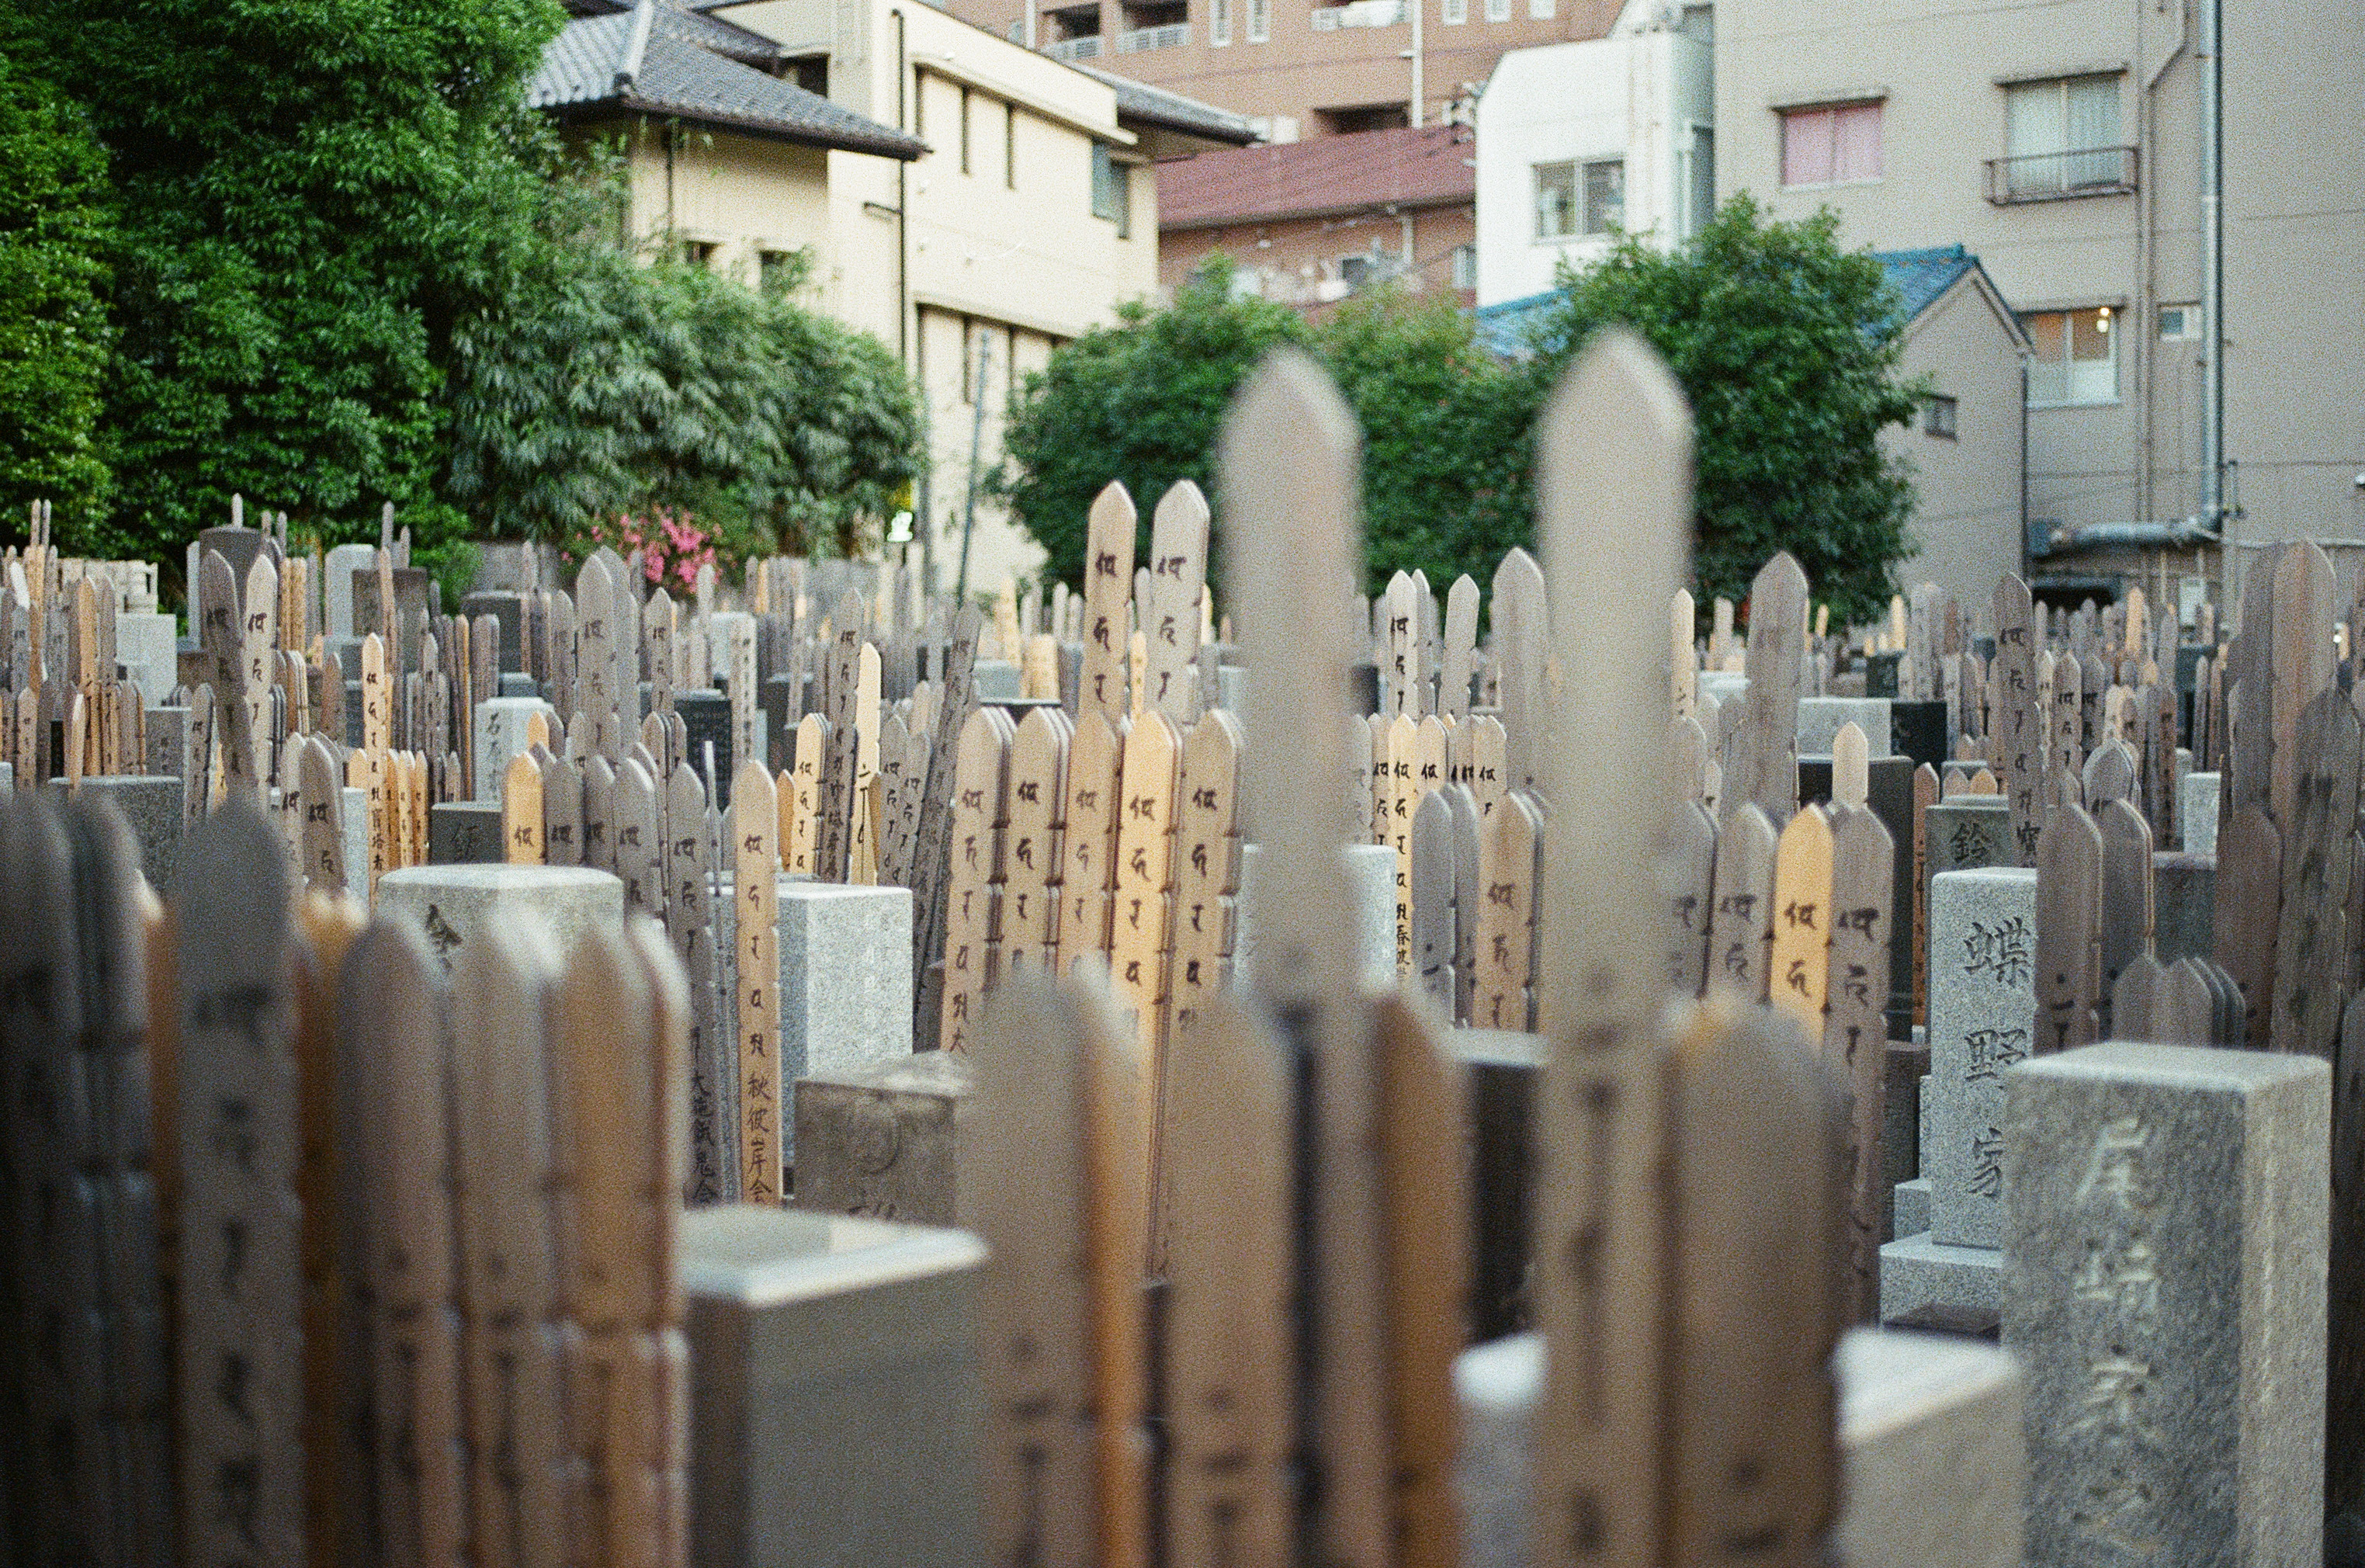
1138,40
1074,48
2061,176
1360,14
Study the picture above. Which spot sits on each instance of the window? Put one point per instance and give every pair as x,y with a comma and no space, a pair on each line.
1540,10
2074,358
1831,145
1465,266
1010,146
2180,323
1579,198
2061,137
1355,271
1260,20
1453,12
1219,23
1699,180
1112,190
811,73
964,139
1498,10
777,272
972,342
1938,417
699,252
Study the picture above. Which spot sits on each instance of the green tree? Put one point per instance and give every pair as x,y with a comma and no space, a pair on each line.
56,223
1139,401
1447,443
1787,347
312,192
603,385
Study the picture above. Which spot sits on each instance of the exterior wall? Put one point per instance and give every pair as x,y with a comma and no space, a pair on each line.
743,195
1285,80
2294,225
1645,98
1296,261
1008,246
1968,518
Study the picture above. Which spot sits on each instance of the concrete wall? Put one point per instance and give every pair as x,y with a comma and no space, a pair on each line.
1967,515
1296,261
2295,234
1639,97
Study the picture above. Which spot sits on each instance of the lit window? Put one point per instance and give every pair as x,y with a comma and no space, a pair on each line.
2075,358
1831,145
2061,137
1938,417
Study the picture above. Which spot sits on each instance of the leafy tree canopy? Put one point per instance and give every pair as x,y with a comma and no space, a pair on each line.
56,224
1787,347
603,385
311,191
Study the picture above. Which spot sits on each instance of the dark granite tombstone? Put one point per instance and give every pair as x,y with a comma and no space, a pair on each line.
1880,674
463,833
1502,1070
1917,732
706,715
2184,906
509,608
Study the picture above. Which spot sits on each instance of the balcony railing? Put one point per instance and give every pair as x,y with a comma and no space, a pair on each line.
1075,49
2058,176
1362,14
1137,40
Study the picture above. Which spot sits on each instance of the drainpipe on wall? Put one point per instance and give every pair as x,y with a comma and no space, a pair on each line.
1417,90
2212,268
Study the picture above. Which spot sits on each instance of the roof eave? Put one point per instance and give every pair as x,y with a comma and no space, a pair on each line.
907,149
1311,214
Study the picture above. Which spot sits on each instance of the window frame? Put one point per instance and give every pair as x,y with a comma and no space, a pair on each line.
1260,21
1941,416
1453,12
1498,10
1220,23
1010,146
964,129
1536,176
2068,363
1789,115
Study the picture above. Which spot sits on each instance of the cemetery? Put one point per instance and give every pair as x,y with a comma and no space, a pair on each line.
1539,1074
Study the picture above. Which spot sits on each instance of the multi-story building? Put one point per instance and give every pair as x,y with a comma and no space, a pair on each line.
1307,223
2197,344
971,202
1299,68
1579,141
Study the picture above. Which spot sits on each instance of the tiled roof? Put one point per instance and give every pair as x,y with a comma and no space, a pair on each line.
1173,111
691,68
1502,328
1405,167
1923,275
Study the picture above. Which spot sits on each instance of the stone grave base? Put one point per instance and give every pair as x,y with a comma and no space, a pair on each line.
1928,1284
1910,1211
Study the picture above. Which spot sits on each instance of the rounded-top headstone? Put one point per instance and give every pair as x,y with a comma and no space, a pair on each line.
454,904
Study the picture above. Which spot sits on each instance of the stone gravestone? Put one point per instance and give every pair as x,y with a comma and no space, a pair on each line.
883,1141
2165,1233
148,648
454,904
343,561
501,724
509,608
2197,811
835,1404
413,592
1372,868
151,806
464,832
706,715
1982,1020
1820,718
2185,905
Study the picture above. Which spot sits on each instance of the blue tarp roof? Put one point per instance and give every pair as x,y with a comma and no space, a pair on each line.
1921,276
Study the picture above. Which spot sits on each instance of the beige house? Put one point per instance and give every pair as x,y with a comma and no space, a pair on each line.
2068,146
971,202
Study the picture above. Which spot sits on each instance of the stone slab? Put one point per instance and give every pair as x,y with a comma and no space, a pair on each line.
352,816
835,1405
884,1142
706,716
1982,1020
2164,1289
509,608
463,832
168,729
2197,810
1820,718
1371,873
1933,1466
516,683
147,646
997,681
2184,906
502,724
846,977
343,561
1968,832
454,904
1928,1284
1901,1134
153,806
718,637
1725,686
1909,1207
1232,687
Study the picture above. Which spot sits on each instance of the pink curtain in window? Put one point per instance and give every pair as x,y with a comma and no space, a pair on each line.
1807,146
1856,135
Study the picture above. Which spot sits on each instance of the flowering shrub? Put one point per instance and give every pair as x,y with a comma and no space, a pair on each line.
672,547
